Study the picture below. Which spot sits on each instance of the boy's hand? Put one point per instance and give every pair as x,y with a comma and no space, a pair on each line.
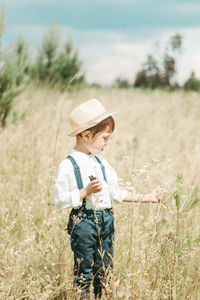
156,195
93,187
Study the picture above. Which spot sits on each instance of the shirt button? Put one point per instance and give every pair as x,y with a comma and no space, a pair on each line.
84,216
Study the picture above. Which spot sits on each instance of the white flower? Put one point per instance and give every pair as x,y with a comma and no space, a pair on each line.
142,171
155,160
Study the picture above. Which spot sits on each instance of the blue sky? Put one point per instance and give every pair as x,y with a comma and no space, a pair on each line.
113,36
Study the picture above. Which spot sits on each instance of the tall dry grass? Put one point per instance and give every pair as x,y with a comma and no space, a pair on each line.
156,246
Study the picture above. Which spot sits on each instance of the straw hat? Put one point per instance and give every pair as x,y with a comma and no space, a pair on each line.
87,115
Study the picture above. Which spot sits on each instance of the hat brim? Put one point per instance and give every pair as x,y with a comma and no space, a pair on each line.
91,123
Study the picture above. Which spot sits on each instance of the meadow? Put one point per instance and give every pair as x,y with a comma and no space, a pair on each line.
156,142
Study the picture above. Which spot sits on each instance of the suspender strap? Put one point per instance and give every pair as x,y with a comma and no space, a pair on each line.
77,174
102,168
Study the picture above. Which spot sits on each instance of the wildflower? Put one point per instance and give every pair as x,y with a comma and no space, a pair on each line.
148,165
155,160
142,171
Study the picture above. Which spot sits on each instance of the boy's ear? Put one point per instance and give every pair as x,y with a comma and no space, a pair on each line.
86,134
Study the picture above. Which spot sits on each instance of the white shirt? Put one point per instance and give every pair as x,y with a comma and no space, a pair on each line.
66,193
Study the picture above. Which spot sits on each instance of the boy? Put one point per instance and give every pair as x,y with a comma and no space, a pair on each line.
87,183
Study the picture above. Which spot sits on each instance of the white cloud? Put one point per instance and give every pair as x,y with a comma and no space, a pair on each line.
125,58
196,63
110,54
123,61
190,58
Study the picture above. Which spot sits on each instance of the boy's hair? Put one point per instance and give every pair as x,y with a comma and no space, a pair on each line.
102,126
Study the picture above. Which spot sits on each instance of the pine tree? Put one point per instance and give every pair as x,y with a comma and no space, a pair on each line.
55,66
41,70
14,64
67,67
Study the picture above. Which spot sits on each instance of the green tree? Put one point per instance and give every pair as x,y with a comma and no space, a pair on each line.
41,69
67,66
60,67
150,75
121,83
160,71
192,83
176,42
173,49
14,64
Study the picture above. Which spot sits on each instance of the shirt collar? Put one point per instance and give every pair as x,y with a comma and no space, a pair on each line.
81,154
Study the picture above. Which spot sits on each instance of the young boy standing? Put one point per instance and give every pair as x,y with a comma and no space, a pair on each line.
87,183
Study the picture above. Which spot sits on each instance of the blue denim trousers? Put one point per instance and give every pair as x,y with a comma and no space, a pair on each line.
92,234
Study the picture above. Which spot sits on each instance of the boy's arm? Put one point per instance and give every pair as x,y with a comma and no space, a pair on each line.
153,197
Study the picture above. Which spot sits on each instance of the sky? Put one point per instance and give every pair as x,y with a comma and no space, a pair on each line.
113,37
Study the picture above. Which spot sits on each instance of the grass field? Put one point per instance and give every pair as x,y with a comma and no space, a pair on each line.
156,142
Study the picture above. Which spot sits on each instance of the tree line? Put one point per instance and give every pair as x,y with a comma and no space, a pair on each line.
159,70
61,66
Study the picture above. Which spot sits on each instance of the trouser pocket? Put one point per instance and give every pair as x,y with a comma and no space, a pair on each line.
75,217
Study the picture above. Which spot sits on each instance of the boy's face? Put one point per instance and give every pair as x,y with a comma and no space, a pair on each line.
97,143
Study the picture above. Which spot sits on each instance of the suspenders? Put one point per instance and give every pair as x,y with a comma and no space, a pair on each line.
102,168
78,176
77,172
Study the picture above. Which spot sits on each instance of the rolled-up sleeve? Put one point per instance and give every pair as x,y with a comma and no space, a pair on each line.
116,192
65,194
